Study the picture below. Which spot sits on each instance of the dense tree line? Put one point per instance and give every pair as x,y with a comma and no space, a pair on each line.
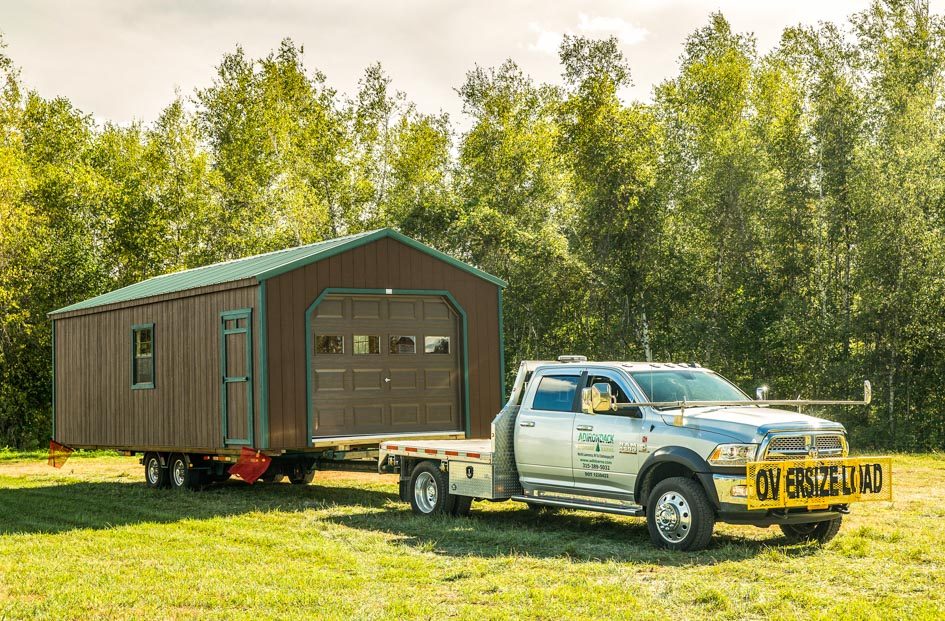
776,216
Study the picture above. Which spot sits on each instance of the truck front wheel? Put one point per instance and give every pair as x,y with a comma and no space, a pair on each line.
819,532
428,490
679,516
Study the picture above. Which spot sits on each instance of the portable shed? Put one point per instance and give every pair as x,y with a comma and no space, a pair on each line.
373,334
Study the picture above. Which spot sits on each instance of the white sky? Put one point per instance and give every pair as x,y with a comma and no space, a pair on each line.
123,59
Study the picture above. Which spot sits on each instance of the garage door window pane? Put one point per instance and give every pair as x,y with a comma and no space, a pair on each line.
367,344
329,344
403,344
556,393
436,344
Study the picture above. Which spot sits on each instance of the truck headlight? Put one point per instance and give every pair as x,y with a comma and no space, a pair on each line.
733,454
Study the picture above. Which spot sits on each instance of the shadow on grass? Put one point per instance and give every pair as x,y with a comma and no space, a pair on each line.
492,530
514,530
101,505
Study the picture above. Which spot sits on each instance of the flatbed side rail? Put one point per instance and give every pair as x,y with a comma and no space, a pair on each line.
442,452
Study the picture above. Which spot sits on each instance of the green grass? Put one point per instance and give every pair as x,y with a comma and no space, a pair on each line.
90,541
7,454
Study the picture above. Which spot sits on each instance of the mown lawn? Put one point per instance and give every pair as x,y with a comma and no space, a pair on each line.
90,541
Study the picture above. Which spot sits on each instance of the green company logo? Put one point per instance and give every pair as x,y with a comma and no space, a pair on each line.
598,438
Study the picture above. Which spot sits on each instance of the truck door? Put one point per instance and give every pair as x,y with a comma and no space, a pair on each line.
606,447
543,432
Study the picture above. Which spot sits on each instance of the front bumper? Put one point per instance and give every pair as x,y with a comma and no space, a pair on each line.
731,492
731,489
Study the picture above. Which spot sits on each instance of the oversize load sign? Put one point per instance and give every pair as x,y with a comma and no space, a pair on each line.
818,482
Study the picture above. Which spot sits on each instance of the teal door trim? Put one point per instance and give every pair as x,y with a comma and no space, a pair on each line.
247,314
309,345
53,379
263,337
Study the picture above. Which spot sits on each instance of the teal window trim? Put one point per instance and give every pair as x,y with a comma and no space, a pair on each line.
502,395
263,340
53,379
138,327
309,345
247,314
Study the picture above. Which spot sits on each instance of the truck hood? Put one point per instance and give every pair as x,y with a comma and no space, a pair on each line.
748,423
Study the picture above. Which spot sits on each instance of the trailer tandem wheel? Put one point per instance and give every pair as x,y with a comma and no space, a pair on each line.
180,473
155,474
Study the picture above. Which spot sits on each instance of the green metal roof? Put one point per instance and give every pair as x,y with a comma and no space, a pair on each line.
260,267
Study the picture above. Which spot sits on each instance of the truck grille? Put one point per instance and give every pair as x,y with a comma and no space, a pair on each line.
784,447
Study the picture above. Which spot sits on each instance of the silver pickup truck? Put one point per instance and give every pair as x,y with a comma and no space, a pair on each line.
675,443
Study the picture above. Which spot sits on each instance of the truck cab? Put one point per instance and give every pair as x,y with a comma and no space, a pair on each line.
675,443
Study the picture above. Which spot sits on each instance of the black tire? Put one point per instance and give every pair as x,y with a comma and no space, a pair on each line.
273,474
180,474
300,474
815,532
679,516
155,474
462,506
429,493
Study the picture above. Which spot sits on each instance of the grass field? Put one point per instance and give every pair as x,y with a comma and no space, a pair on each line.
90,541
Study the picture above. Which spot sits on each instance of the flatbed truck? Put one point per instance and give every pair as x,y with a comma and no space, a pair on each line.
677,444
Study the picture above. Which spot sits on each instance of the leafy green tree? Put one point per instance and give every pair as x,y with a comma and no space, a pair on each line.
613,152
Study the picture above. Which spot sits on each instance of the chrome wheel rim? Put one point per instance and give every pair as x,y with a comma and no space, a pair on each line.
154,471
425,492
180,471
673,517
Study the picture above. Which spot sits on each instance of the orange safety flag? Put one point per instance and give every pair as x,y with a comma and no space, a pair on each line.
251,465
58,454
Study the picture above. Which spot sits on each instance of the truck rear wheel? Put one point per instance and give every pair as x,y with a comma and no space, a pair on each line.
679,516
155,474
428,490
819,532
463,506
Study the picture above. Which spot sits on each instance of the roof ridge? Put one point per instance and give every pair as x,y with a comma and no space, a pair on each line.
254,256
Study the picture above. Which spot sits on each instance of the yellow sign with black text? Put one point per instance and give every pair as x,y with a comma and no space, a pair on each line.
818,482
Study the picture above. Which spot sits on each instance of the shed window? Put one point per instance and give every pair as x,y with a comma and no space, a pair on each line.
329,344
142,356
436,344
367,344
403,344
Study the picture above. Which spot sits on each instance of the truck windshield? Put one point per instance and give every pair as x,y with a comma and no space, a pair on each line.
688,385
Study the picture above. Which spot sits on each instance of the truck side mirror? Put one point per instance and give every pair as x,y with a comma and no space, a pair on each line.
597,398
761,393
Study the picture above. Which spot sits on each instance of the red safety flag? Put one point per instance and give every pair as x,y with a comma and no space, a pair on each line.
251,465
58,454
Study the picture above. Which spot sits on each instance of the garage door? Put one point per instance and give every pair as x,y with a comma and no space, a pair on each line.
385,364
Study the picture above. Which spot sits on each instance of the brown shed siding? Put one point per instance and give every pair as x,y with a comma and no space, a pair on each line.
383,264
95,405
